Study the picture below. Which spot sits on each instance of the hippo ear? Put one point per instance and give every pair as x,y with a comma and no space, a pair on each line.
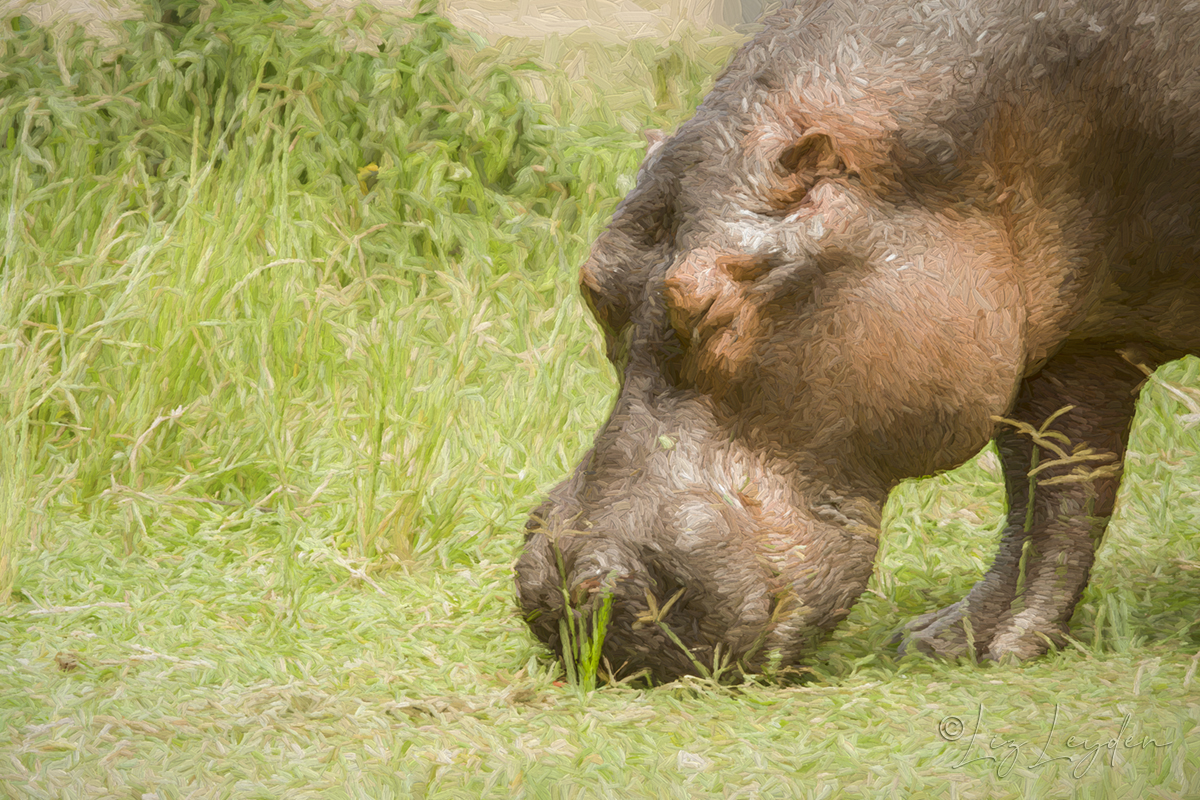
801,164
654,140
815,152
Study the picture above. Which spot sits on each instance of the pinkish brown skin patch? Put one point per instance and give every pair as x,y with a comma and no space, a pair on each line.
884,228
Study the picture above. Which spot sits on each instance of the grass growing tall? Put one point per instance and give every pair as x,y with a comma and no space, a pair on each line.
271,416
207,311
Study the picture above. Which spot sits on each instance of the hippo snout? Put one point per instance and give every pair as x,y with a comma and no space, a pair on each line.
685,588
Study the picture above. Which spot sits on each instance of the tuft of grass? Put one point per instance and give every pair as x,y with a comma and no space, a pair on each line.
583,640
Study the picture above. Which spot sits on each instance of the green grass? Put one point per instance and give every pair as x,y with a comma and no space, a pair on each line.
268,440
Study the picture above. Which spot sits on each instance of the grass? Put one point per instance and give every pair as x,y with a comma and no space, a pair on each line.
268,440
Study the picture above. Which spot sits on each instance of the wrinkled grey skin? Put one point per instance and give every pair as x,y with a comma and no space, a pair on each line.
883,229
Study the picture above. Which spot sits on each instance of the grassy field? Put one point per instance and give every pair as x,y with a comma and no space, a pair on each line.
289,345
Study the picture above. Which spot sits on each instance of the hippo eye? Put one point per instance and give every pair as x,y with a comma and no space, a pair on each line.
705,294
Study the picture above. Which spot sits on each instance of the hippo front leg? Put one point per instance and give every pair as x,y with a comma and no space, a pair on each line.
1070,516
1071,505
943,633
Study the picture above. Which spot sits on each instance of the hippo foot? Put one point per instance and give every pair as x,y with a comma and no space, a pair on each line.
943,634
1025,636
939,634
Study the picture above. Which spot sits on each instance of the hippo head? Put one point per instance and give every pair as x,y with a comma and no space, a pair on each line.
702,489
751,293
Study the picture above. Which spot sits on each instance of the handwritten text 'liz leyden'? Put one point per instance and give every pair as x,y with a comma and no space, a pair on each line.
1008,751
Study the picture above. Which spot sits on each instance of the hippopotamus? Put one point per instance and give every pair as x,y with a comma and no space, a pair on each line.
892,233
